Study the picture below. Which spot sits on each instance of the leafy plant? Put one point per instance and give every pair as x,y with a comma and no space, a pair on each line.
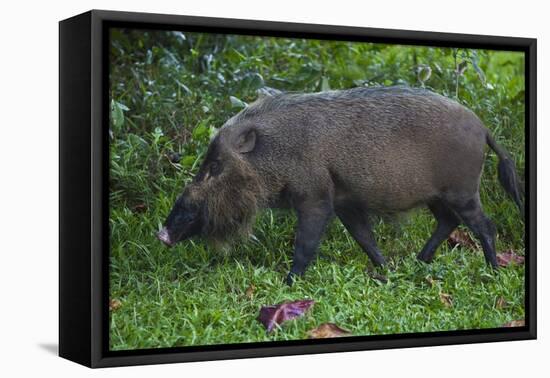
169,94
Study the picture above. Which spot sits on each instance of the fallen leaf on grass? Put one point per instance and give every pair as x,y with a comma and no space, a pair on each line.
501,303
270,316
515,323
430,281
140,208
508,257
461,238
446,299
114,304
327,330
378,277
250,291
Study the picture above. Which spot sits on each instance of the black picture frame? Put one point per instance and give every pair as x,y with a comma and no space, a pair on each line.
83,195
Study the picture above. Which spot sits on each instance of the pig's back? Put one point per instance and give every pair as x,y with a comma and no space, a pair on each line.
391,148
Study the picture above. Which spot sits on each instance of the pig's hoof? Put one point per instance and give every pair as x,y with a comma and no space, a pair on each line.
380,261
290,279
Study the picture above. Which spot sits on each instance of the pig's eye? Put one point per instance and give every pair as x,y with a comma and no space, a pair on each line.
215,168
192,209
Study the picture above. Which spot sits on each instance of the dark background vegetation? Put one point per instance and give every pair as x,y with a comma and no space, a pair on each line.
170,91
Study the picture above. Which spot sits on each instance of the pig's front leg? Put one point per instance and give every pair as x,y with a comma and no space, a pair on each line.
312,220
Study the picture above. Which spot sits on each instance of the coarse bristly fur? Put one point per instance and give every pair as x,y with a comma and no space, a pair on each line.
351,154
231,201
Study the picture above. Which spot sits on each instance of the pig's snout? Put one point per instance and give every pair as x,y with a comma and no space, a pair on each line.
164,237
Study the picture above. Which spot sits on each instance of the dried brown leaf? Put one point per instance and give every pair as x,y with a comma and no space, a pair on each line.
327,330
114,304
446,299
430,281
378,277
509,257
461,238
250,291
515,323
501,303
139,208
270,316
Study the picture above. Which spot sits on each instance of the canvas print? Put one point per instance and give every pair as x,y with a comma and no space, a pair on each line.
271,189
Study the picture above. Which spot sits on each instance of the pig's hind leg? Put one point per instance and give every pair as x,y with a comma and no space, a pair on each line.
483,228
357,223
447,221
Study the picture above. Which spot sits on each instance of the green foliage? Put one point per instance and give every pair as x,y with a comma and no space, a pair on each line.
171,91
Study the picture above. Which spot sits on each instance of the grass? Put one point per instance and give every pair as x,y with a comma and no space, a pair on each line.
170,91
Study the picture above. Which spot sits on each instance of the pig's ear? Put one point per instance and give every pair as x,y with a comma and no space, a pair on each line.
246,141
